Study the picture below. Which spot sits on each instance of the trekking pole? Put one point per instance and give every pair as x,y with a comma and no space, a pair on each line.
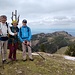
37,52
34,50
2,55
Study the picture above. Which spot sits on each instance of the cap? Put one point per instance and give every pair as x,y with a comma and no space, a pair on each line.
24,21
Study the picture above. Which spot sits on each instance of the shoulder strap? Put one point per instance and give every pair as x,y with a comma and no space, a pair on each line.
7,24
11,28
17,29
20,32
28,29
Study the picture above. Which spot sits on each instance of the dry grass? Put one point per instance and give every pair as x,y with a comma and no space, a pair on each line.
53,65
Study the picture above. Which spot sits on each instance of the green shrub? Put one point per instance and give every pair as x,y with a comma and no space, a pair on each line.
71,50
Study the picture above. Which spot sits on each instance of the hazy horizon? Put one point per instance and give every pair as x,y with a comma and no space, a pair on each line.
70,31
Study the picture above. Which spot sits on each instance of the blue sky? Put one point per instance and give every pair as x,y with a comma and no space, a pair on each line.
42,14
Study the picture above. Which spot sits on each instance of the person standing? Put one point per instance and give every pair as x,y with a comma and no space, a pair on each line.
4,30
3,37
25,37
13,41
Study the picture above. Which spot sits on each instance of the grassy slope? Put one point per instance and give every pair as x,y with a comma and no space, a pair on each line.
53,65
61,50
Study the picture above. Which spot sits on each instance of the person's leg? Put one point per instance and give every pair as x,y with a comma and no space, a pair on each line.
5,50
2,51
14,54
0,47
14,51
10,51
24,51
30,52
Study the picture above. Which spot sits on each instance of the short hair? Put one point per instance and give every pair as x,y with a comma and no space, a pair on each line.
4,16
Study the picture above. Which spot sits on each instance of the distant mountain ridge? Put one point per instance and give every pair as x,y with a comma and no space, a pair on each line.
64,33
50,42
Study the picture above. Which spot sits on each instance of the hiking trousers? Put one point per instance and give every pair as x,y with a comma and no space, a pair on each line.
12,51
24,51
3,48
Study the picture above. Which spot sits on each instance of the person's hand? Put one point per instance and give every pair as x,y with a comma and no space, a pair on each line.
23,42
28,43
15,33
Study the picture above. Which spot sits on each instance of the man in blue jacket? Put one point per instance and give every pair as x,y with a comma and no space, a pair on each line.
25,37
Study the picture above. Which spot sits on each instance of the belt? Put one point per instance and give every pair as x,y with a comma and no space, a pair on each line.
3,38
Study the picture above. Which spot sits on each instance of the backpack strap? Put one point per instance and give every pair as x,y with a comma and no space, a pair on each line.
7,26
20,32
28,29
17,29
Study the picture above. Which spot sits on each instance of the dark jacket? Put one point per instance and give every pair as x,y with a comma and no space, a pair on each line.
13,39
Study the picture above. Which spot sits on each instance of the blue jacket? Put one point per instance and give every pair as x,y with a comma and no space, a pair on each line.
24,33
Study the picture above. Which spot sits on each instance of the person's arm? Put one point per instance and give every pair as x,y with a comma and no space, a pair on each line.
0,32
10,32
30,35
19,35
0,29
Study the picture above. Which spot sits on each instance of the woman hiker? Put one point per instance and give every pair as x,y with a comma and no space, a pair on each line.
13,41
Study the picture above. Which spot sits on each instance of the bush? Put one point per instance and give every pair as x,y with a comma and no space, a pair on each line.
71,50
60,41
42,47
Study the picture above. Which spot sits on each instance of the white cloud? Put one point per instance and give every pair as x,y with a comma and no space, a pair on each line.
42,13
58,22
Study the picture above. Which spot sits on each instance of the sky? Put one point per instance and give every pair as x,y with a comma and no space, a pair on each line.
42,14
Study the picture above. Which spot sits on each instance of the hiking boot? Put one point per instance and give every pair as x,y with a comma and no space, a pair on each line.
4,61
14,60
31,59
24,60
10,59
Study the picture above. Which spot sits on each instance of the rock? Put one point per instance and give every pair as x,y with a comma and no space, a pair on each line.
19,71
